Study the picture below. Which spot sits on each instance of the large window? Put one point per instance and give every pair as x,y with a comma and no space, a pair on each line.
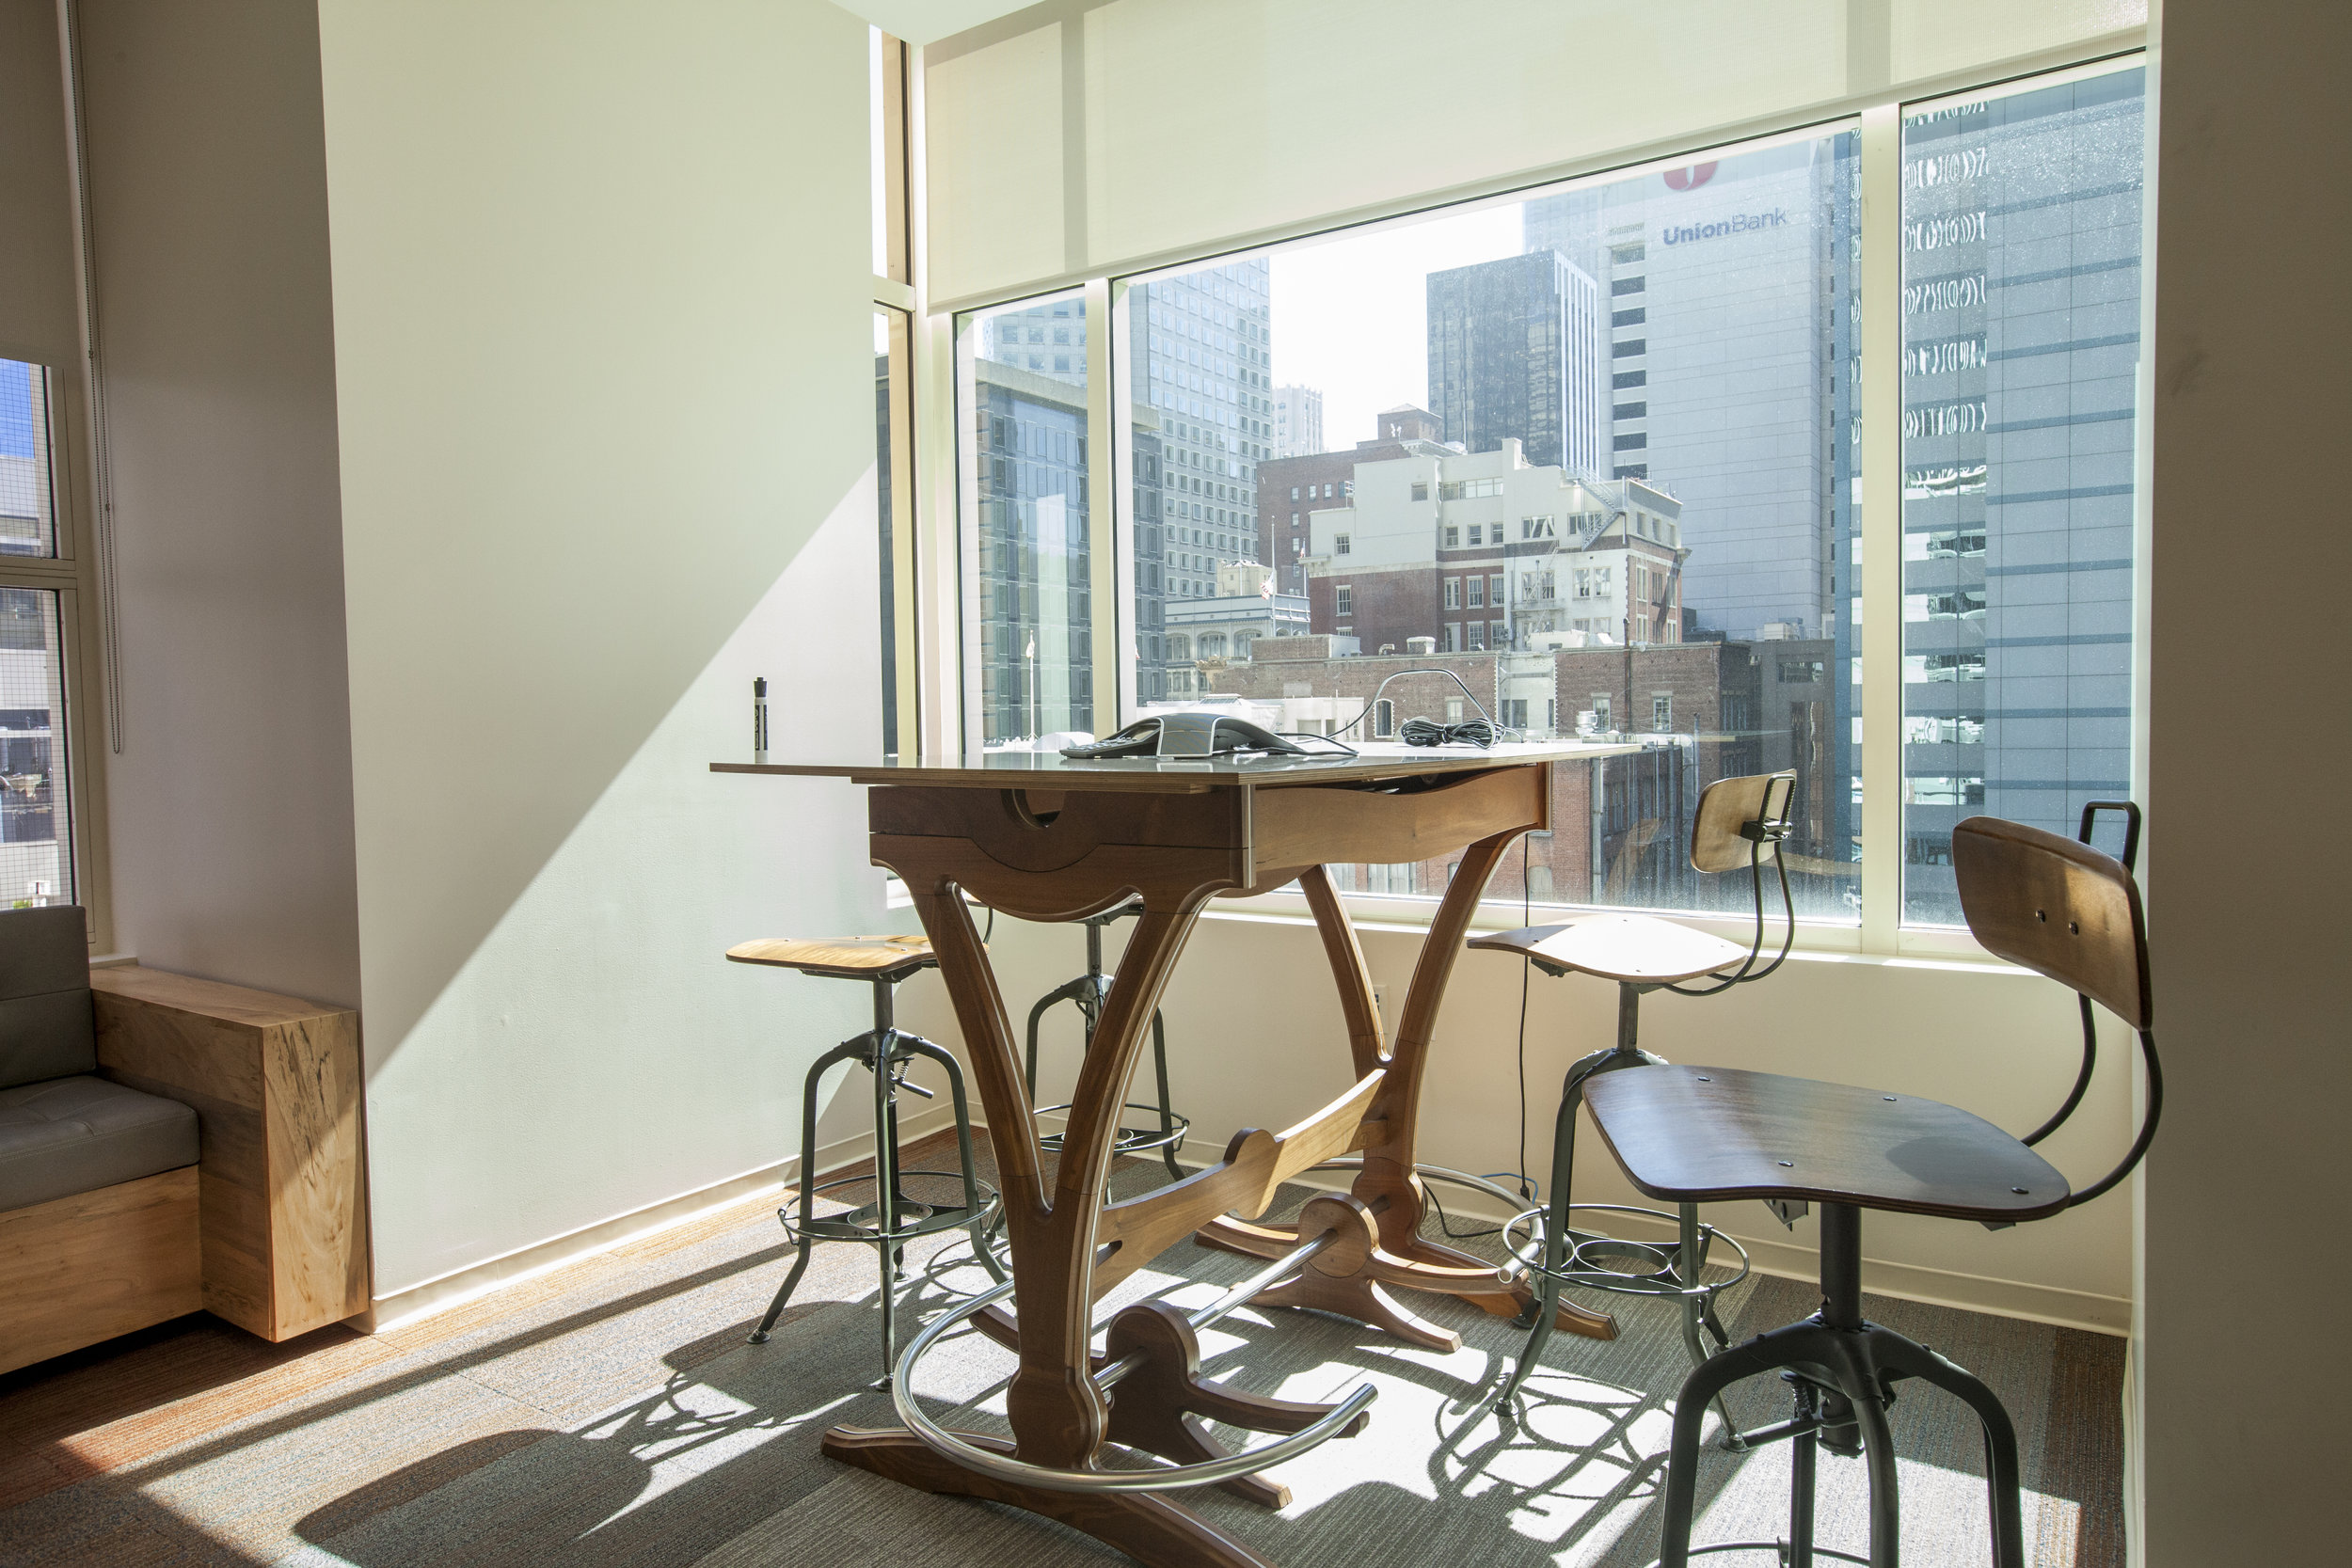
1595,454
36,837
2021,233
1591,442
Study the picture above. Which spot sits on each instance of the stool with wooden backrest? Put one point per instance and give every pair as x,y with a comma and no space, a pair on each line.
1738,825
893,1219
1697,1134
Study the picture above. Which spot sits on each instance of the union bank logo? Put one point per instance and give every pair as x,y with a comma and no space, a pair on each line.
1690,178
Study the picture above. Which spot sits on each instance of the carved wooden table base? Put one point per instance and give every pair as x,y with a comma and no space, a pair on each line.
1065,856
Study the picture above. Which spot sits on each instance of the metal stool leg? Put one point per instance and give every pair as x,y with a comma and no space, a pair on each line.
918,1046
849,1051
1624,1054
1075,992
1091,993
1556,1239
1905,1359
886,1174
1168,1113
1802,1460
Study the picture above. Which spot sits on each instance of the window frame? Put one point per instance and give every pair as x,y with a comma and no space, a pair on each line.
73,574
1878,125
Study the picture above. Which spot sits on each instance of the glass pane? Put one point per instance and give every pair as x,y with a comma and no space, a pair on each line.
877,150
2021,345
28,524
885,520
1592,453
1201,364
35,846
1029,664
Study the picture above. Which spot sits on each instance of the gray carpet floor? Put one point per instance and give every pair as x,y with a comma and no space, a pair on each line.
613,1415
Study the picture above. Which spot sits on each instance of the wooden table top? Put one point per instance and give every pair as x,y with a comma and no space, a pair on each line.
1051,770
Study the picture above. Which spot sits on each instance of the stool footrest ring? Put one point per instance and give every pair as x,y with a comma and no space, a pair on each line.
1132,1140
863,1224
1523,1236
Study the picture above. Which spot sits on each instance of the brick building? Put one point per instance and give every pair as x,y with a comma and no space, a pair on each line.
1620,833
1291,488
1486,551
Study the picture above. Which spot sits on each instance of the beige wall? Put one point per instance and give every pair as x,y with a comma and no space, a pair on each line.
2248,872
229,808
604,369
38,314
1255,1039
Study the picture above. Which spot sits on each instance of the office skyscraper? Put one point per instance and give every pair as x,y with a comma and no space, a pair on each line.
1725,287
1201,361
1043,339
2022,233
1297,421
1514,353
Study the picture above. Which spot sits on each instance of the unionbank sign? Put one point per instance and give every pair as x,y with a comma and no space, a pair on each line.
1738,223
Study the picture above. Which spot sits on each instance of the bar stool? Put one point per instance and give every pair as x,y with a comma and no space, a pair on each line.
1089,990
1740,822
1697,1134
893,1219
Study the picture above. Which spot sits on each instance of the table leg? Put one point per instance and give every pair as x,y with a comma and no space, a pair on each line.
1058,1413
1388,1185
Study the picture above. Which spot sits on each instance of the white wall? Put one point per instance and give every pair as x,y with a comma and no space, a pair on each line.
1255,1039
604,370
2244,1387
229,808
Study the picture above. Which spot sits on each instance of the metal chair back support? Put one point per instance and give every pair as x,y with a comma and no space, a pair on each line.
2069,913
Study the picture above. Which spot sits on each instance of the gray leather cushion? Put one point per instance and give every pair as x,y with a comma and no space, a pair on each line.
45,1029
78,1134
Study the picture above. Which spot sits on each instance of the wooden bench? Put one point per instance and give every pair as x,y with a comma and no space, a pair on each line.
277,1087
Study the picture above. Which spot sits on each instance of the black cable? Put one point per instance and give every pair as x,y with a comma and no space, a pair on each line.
1340,748
1493,729
1446,1225
1428,732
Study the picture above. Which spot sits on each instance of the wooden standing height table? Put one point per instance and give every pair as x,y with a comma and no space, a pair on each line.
1042,837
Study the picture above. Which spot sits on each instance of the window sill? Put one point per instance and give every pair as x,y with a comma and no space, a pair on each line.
1817,942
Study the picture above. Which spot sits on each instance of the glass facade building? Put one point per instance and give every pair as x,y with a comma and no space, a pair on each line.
1515,353
2021,349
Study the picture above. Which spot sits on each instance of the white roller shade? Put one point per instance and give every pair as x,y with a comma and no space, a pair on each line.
38,308
1090,136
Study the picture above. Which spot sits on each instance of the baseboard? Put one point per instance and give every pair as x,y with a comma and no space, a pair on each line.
476,1280
1786,1258
1774,1255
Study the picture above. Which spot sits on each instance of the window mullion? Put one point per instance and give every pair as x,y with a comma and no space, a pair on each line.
1113,412
1881,578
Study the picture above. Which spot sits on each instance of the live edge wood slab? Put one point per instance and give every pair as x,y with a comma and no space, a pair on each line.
277,1087
1042,837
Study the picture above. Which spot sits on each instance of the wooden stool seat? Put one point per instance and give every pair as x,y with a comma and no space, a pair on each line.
1705,1134
1635,949
843,958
